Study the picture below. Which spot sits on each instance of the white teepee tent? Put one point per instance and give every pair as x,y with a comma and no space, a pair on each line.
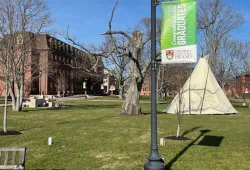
201,94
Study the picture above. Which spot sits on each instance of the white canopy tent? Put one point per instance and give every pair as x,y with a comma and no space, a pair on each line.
201,94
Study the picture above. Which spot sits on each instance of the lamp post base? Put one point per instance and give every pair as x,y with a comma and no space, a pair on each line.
154,165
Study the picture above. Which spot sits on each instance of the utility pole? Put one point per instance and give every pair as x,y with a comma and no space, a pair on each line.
155,161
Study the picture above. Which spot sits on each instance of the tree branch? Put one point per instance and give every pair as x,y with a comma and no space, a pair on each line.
119,33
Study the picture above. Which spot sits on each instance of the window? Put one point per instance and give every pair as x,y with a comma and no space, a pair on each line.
67,48
52,42
63,45
58,44
48,41
70,48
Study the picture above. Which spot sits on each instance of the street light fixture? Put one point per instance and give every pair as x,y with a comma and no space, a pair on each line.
155,161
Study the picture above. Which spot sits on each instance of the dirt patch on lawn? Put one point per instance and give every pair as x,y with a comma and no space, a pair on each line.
177,138
10,133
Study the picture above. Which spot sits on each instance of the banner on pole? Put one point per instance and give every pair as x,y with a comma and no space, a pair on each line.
178,33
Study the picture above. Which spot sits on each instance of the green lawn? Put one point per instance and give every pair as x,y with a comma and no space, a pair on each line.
91,135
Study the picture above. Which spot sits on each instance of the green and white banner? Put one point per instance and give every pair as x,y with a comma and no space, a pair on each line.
178,33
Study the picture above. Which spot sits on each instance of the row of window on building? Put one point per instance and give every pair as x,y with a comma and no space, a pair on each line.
59,45
65,73
61,58
145,89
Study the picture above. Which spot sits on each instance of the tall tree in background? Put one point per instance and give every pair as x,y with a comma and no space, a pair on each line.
20,22
116,66
231,62
245,55
216,20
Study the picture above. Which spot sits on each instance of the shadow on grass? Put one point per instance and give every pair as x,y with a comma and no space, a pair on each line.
83,120
240,106
72,107
211,141
170,163
89,106
70,122
182,137
51,169
148,113
32,128
190,130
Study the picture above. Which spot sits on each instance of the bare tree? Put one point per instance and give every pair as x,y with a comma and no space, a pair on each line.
245,56
20,23
230,62
62,83
216,20
136,50
116,66
179,112
168,79
5,53
180,109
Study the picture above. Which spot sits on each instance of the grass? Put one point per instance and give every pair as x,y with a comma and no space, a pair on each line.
91,135
142,98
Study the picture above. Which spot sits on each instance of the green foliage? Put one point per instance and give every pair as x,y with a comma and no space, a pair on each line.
92,135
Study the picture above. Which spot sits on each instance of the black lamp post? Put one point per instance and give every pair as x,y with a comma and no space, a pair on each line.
155,161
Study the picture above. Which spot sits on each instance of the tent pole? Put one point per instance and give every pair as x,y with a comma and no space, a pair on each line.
203,98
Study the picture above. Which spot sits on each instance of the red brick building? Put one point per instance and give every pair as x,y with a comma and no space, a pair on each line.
56,73
238,87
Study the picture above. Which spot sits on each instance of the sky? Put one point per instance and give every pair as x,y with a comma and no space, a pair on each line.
87,19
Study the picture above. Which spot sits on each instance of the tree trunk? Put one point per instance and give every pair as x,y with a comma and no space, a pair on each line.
179,111
121,91
5,107
165,95
131,104
18,106
21,96
178,129
13,97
